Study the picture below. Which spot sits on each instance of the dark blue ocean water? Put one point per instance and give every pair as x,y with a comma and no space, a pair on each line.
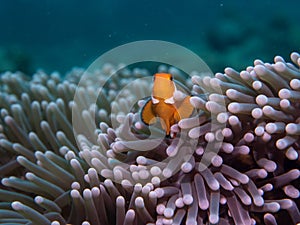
58,35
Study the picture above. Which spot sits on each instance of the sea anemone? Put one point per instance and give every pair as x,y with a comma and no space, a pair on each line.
235,161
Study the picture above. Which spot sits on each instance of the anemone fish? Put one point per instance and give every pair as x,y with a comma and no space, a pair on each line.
162,106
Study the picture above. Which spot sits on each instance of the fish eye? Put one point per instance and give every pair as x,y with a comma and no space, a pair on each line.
171,78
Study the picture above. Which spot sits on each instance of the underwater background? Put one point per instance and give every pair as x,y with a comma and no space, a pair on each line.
58,35
76,148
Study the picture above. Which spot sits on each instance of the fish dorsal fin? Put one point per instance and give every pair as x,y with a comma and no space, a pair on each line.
147,114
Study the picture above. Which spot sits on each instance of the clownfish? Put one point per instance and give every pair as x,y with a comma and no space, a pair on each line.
162,104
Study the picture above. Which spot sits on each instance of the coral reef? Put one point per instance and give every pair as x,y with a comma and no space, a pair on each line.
236,161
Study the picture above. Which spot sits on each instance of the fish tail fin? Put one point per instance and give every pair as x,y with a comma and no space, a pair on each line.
147,114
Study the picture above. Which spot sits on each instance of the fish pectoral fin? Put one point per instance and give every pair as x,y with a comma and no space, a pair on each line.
184,109
169,100
154,100
147,114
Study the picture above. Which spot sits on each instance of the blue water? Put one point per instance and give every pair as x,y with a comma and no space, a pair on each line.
58,35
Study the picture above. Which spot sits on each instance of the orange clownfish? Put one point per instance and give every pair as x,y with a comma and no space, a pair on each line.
162,104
